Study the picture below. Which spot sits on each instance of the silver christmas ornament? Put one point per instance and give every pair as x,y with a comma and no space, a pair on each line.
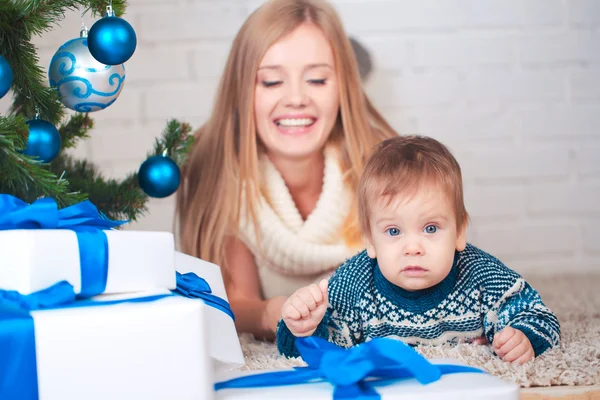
83,83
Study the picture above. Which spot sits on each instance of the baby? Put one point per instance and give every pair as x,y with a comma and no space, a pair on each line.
418,279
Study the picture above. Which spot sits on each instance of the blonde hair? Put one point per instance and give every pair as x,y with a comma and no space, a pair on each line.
403,165
224,158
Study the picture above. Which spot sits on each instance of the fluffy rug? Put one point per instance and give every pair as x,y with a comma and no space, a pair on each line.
574,299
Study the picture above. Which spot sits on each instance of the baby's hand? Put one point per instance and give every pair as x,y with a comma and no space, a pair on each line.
303,311
512,345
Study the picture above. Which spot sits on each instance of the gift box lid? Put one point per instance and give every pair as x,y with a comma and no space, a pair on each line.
34,259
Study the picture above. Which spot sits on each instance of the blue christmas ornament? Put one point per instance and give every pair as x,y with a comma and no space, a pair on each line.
44,140
6,76
83,83
111,39
159,176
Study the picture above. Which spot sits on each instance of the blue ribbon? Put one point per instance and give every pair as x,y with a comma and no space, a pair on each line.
82,218
18,366
354,372
87,223
192,286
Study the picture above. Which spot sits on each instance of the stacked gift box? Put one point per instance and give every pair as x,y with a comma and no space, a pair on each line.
90,312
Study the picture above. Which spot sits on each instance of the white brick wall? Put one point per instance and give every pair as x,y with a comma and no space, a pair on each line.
511,86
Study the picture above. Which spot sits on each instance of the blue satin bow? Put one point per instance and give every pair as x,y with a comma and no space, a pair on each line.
351,370
192,286
44,214
18,367
82,218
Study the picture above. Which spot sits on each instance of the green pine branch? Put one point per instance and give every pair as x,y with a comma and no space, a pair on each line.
20,20
65,179
23,176
176,139
76,129
117,199
122,199
41,15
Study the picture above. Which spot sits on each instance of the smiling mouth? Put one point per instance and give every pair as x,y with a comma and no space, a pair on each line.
295,122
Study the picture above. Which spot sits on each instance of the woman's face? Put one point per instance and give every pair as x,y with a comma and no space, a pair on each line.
296,100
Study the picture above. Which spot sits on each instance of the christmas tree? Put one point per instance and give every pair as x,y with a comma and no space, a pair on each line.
63,178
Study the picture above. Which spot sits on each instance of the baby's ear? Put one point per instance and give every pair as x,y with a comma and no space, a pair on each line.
461,238
369,246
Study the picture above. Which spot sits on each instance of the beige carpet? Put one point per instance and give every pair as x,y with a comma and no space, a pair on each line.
576,302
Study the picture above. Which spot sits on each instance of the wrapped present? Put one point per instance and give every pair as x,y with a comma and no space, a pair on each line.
224,344
55,348
382,368
41,245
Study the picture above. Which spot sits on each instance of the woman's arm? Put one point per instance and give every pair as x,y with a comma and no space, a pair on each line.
252,314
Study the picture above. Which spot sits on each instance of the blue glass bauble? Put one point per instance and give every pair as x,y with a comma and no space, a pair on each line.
159,176
84,84
112,40
43,141
6,76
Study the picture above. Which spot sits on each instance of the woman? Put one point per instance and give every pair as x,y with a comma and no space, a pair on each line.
269,187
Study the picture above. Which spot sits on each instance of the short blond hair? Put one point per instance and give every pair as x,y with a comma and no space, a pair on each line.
404,164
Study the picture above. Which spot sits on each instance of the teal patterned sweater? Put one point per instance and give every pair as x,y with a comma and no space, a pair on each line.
479,296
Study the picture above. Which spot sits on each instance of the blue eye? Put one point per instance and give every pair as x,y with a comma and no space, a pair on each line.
393,231
430,229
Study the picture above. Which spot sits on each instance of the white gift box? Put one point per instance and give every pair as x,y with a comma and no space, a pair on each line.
459,386
224,344
153,350
32,260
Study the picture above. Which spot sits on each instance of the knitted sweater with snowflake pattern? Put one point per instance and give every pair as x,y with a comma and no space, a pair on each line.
479,296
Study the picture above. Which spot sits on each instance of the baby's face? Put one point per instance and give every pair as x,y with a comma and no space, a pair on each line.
414,238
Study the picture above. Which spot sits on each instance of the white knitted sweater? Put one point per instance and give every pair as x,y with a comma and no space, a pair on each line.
297,252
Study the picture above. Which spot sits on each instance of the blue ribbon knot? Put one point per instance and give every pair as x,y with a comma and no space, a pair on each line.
354,372
192,286
18,367
88,224
82,218
44,214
